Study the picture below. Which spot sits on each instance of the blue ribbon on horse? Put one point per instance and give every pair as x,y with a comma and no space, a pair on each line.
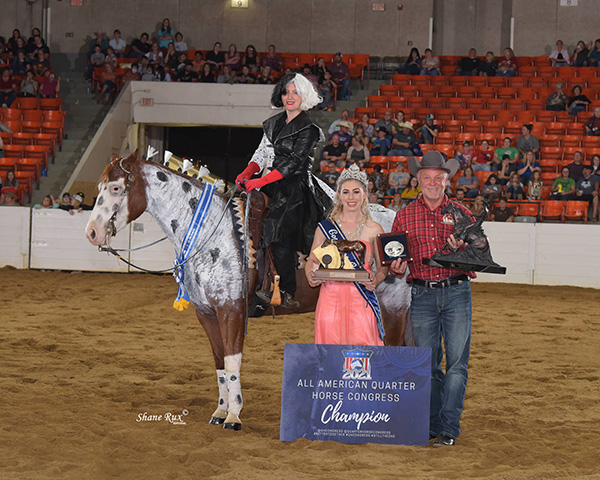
332,231
189,241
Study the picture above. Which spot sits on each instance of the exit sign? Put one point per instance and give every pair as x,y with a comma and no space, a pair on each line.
147,102
379,7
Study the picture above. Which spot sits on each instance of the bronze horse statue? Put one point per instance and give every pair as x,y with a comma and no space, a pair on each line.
347,246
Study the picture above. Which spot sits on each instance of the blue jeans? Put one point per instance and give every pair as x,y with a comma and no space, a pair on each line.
444,313
344,90
426,136
401,152
433,71
481,167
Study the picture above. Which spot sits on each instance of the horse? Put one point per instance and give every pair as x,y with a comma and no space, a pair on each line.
220,276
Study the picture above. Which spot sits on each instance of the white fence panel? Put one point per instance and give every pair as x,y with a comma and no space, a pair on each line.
14,236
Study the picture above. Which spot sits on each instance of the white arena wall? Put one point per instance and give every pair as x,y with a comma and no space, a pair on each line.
534,254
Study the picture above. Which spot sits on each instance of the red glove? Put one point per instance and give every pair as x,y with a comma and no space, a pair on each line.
251,169
272,176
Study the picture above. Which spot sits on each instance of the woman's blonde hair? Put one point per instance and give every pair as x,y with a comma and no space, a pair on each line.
335,211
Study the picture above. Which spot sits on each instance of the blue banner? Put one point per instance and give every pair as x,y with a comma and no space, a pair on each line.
356,394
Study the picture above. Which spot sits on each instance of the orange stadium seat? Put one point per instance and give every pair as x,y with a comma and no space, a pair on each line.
575,128
39,152
549,165
555,128
552,209
576,210
47,140
456,103
11,115
32,165
472,126
513,128
529,209
375,101
436,103
490,137
448,150
452,126
571,141
549,141
445,114
492,127
428,91
483,115
463,114
388,90
444,138
486,92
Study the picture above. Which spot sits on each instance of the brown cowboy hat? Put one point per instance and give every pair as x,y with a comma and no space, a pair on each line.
433,159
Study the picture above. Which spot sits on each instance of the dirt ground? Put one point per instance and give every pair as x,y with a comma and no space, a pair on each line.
83,355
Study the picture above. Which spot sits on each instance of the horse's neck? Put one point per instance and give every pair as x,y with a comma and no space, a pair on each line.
172,202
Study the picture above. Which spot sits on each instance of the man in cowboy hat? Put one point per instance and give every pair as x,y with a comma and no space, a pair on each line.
403,141
441,298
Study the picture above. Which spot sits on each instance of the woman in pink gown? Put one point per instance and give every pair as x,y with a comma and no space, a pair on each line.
343,316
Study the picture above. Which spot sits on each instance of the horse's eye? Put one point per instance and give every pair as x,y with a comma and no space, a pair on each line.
115,189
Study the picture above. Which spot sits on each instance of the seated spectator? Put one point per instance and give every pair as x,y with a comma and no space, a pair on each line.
198,62
9,199
311,77
563,187
465,155
460,197
514,188
265,77
140,46
385,122
10,181
477,206
107,85
528,142
382,144
155,55
508,64
330,175
576,166
502,213
430,65
319,69
131,74
403,141
224,76
233,58
560,56
216,58
483,158
335,125
101,40
345,133
181,62
400,117
180,45
340,74
374,198
118,44
165,33
557,101
507,167
358,153
1,153
19,65
396,203
11,45
368,128
527,167
593,126
50,87
171,58
492,190
272,59
412,191
506,149
412,66
594,56
29,86
111,57
326,89
47,202
252,59
469,66
359,131
148,74
535,186
35,32
379,179
42,65
8,89
398,180
188,75
96,60
578,102
207,75
469,182
490,66
161,74
587,190
429,130
18,48
595,163
334,152
38,45
580,55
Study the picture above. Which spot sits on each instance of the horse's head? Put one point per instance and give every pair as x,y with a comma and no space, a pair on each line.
121,199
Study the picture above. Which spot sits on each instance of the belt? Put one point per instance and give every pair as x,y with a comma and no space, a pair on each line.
446,282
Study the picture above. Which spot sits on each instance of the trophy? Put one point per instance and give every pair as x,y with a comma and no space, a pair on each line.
392,246
476,256
336,265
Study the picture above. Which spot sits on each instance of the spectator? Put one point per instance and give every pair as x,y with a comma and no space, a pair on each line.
233,59
41,65
38,46
161,74
466,155
188,75
12,46
10,181
489,68
560,56
578,102
563,187
368,127
398,180
359,130
8,89
528,142
35,32
108,84
335,125
171,59
148,74
403,141
312,78
319,69
587,190
50,87
118,44
207,75
9,199
594,56
345,133
506,149
47,202
77,203
180,45
358,153
1,153
140,46
155,55
514,188
272,59
502,213
595,163
66,202
400,117
492,190
131,74
576,167
165,34
252,59
330,175
385,122
19,65
224,76
593,126
29,86
469,182
507,167
111,57
469,66
18,48
460,197
379,180
244,77
536,186
96,60
412,191
580,56
101,40
334,152
477,206
216,58
381,145
396,203
557,101
326,91
430,65
198,62
340,74
528,166
508,64
484,157
429,130
412,66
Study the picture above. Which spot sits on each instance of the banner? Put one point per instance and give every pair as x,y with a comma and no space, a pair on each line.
356,394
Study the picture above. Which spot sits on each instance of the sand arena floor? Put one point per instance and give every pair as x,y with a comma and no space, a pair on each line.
82,355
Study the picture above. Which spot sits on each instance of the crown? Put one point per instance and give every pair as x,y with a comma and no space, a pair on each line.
353,173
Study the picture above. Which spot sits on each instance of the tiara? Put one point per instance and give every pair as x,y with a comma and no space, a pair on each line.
353,173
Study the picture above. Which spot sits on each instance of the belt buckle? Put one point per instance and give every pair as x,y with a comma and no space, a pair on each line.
434,285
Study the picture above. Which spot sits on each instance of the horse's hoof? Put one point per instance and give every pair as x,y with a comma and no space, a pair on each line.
216,421
232,426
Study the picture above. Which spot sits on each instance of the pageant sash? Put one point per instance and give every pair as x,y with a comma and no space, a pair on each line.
332,231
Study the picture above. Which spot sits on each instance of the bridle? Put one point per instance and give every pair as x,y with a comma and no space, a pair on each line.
111,229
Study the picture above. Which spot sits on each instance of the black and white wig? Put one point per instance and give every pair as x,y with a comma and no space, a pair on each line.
306,90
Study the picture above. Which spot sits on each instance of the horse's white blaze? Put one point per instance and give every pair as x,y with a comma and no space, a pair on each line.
109,196
232,371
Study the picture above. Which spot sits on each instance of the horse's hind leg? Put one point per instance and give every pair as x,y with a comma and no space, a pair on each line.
213,332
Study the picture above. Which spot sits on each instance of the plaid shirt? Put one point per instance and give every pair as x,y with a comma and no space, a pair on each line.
427,235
